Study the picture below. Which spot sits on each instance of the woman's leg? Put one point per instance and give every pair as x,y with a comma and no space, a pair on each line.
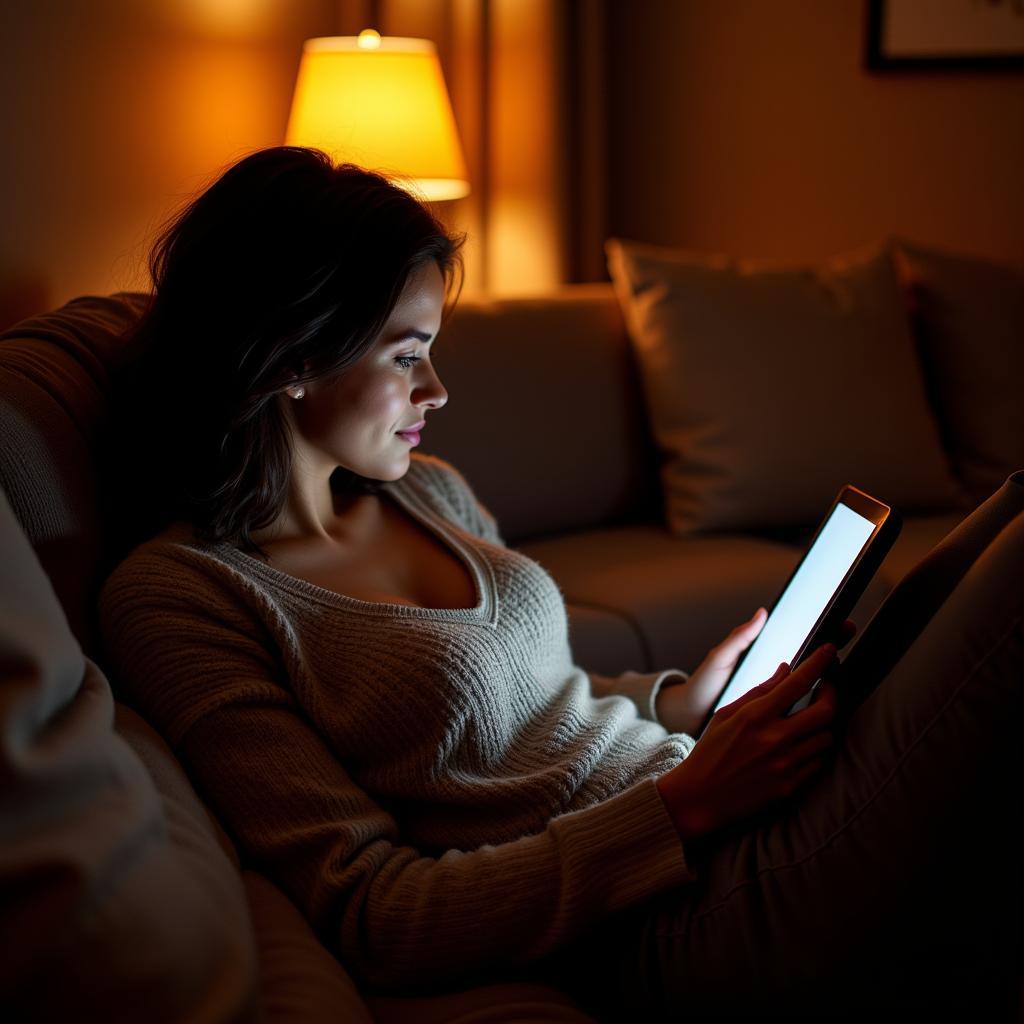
894,878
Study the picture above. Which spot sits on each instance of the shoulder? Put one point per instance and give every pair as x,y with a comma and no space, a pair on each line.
448,492
183,632
170,554
165,555
173,574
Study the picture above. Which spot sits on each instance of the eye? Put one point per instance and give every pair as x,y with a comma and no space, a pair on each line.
406,361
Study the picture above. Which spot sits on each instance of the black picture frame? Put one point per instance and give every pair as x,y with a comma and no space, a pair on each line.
876,59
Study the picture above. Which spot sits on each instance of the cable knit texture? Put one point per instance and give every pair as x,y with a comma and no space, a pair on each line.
438,790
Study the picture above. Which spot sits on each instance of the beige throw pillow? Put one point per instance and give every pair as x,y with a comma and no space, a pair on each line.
970,317
768,388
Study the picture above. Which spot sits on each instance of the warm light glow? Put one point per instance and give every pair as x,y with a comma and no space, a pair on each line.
369,39
385,108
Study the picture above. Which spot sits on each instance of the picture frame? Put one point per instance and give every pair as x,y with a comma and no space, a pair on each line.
945,35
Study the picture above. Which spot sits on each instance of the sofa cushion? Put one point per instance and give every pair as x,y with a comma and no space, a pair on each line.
970,317
681,595
605,639
772,388
115,898
545,413
55,372
190,824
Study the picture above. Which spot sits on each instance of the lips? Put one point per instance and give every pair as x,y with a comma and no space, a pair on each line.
412,434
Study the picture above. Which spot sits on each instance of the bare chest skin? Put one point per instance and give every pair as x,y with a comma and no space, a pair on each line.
398,562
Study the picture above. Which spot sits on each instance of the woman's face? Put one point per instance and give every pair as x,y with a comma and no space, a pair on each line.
355,418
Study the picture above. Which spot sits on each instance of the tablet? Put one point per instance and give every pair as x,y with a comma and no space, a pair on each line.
845,552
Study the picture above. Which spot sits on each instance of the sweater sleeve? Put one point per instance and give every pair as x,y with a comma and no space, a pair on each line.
642,688
205,676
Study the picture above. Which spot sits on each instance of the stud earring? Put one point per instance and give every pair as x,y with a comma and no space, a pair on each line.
297,392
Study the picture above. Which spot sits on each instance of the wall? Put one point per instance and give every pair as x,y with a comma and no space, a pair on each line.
116,112
113,112
751,128
507,64
744,126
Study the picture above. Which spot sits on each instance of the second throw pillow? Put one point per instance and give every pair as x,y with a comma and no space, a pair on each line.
769,389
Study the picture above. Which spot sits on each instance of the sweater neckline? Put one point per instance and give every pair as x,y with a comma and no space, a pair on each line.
479,568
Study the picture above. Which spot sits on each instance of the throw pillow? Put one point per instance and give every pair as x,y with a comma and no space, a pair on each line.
970,319
770,388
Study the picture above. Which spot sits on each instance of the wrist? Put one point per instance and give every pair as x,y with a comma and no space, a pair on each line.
691,818
672,707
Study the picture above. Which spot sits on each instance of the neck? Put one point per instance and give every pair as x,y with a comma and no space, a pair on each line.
322,517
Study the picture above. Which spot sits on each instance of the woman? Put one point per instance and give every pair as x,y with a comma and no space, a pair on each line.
378,698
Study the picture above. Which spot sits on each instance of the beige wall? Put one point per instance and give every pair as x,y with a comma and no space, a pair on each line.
503,62
114,112
749,127
744,126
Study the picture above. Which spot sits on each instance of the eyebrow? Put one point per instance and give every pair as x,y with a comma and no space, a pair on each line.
403,336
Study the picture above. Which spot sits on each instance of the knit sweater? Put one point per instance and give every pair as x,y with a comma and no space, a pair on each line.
438,790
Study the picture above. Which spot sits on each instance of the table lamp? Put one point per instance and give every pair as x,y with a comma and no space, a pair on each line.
380,102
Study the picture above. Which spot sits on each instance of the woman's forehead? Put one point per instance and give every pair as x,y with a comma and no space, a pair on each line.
422,299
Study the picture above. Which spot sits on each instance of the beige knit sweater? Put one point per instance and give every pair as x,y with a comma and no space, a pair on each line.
438,790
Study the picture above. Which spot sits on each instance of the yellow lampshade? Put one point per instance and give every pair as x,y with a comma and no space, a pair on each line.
380,102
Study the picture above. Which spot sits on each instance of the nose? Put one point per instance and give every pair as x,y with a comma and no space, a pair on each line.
429,391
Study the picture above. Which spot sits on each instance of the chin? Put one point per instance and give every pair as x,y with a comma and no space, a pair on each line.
393,471
382,472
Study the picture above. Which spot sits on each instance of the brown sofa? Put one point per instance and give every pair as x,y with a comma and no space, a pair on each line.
130,901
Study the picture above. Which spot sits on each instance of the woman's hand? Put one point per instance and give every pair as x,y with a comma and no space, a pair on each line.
751,754
683,707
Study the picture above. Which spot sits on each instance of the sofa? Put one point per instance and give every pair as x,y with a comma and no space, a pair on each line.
123,896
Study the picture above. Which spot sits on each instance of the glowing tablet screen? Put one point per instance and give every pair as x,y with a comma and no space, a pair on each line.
809,593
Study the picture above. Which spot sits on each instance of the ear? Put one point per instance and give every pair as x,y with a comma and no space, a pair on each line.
292,373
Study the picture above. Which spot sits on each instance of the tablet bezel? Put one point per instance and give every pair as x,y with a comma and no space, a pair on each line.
886,527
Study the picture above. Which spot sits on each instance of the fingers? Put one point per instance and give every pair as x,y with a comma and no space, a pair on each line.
753,694
805,773
744,634
807,758
741,637
747,633
757,620
818,715
811,747
785,688
782,697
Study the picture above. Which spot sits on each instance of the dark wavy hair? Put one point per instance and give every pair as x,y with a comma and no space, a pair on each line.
283,271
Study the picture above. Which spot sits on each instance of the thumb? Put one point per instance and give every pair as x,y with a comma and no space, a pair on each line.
739,639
